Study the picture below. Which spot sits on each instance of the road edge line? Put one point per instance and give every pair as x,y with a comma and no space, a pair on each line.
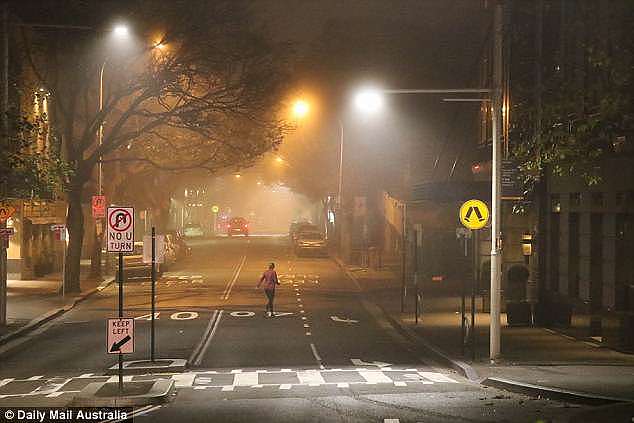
551,393
38,321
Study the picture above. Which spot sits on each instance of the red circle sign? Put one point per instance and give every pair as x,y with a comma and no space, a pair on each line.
120,220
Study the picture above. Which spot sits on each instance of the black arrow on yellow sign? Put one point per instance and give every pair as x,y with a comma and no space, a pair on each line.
475,210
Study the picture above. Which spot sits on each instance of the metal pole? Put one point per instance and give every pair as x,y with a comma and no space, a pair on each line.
474,291
463,290
4,105
339,214
120,316
496,259
404,259
103,66
416,276
153,292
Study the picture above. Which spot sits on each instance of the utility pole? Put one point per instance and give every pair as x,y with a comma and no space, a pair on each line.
4,135
496,203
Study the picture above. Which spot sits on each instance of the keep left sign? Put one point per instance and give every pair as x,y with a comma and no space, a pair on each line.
120,339
120,234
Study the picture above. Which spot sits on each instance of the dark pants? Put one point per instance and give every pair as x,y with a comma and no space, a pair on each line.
270,294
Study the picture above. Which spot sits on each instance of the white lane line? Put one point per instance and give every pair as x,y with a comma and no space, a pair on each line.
236,371
391,420
400,384
245,379
182,380
436,377
285,386
306,325
343,385
211,330
373,377
199,388
35,377
315,353
86,375
229,287
227,388
5,381
257,386
308,334
303,317
54,394
310,377
301,311
286,370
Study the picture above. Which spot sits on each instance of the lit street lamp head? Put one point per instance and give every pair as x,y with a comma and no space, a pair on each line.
300,108
369,100
121,31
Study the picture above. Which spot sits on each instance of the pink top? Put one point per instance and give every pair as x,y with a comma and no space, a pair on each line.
270,279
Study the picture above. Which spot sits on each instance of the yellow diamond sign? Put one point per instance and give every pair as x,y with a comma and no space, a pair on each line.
474,214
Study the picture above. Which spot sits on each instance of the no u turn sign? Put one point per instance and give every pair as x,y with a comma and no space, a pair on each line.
120,236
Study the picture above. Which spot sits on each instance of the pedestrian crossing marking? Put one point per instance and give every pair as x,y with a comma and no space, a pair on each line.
229,380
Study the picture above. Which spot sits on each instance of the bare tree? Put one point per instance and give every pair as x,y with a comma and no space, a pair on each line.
202,95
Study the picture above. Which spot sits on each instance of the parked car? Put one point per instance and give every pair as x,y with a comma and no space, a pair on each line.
238,226
297,227
311,242
193,230
177,242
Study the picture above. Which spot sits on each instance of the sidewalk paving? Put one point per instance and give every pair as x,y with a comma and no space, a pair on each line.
539,358
29,301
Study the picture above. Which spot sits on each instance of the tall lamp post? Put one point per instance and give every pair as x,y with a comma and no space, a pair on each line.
495,94
120,32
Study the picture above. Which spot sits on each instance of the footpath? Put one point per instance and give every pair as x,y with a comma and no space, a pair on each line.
31,303
534,361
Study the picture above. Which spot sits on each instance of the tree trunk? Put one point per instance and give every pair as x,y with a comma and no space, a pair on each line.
95,257
75,224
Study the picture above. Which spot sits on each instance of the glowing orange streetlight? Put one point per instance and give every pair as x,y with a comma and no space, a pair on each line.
301,108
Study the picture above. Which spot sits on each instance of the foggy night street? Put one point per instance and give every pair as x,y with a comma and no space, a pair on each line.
260,368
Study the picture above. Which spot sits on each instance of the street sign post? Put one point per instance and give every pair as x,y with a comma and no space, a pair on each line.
159,249
120,230
120,238
98,206
474,215
6,211
120,339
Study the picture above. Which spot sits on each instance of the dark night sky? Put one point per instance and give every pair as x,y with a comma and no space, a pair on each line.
341,44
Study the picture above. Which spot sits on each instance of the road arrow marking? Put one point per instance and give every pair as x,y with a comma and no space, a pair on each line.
378,364
117,345
337,319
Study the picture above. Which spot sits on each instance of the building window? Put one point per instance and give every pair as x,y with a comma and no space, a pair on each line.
597,199
575,199
555,203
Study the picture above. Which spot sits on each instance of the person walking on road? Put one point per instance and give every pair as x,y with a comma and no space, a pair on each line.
269,279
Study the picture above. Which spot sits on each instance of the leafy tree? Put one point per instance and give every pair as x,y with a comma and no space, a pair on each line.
204,95
26,171
588,97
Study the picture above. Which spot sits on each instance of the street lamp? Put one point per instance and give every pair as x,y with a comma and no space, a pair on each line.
120,31
371,100
301,108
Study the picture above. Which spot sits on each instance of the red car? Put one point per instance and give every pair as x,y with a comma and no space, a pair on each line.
238,226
